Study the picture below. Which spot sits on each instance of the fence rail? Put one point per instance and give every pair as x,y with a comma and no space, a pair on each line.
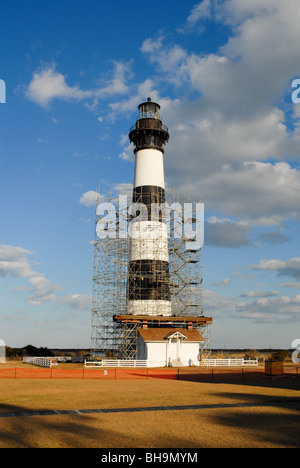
116,363
229,362
38,361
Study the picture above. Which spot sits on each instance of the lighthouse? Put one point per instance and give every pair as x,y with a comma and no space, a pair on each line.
148,283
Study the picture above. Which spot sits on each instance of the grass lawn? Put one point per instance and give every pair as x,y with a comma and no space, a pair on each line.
257,426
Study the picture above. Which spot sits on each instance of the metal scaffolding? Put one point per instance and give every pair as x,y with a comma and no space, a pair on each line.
109,279
112,275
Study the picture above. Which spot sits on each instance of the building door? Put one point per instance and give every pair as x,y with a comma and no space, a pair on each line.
174,348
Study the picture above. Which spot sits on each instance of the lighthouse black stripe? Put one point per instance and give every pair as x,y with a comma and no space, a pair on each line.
148,279
150,195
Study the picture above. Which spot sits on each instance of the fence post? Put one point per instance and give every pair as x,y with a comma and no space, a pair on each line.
212,374
178,374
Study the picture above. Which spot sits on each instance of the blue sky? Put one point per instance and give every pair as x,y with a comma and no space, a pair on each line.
222,71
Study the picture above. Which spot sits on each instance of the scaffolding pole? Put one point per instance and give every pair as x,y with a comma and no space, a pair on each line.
112,275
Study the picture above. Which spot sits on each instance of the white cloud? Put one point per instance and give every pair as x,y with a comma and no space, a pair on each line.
257,192
168,58
42,290
251,294
139,91
90,198
124,188
14,262
77,301
48,84
237,122
214,303
117,84
202,10
272,238
152,45
270,309
226,232
127,154
234,120
282,267
290,285
224,282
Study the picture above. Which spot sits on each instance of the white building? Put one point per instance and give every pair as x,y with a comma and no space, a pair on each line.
169,346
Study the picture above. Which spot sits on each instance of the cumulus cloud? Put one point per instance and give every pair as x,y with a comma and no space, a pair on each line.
42,290
255,190
270,309
214,303
231,122
92,198
77,301
202,10
282,267
129,104
14,261
237,122
127,154
47,84
224,282
272,238
258,308
226,232
290,284
260,294
89,198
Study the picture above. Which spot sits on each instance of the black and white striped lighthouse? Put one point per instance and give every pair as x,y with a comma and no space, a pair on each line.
148,286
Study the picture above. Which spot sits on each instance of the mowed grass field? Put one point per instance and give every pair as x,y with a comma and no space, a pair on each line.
270,421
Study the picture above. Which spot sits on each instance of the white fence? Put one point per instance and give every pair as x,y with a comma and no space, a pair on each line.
229,362
38,361
116,363
2,350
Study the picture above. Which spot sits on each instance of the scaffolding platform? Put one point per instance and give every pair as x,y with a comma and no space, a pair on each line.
157,319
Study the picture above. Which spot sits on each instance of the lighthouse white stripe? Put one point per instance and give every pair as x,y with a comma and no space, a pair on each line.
149,307
149,241
149,168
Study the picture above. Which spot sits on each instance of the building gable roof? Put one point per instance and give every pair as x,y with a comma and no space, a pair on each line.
163,334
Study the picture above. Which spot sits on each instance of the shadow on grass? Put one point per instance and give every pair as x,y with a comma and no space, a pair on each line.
275,423
238,377
80,431
42,431
267,420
